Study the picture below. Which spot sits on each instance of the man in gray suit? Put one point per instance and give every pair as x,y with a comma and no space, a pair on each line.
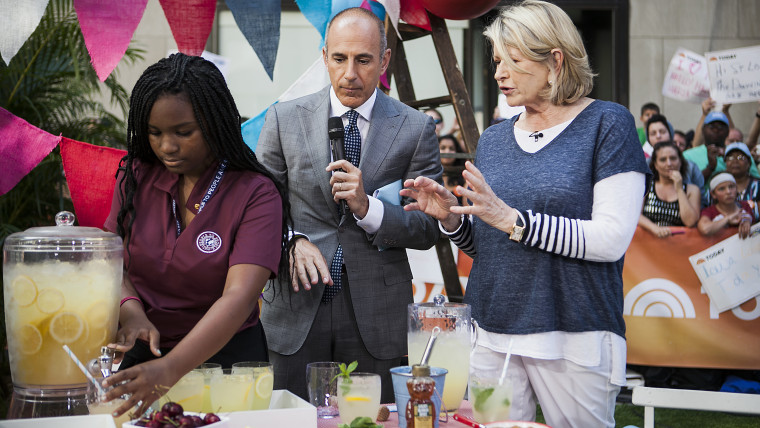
352,282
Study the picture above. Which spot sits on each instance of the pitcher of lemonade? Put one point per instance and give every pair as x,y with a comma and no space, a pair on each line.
452,347
61,286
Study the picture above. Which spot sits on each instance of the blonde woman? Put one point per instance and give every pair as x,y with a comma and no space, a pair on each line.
555,199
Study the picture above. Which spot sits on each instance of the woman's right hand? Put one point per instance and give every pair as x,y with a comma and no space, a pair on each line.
677,178
432,199
662,232
131,329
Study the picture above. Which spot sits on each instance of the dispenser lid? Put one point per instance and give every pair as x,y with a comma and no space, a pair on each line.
63,237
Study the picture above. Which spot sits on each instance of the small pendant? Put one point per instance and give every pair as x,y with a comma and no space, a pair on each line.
197,206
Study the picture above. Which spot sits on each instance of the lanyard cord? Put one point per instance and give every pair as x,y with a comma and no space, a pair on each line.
209,193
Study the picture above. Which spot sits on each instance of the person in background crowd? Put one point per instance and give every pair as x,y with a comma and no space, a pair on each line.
204,225
681,140
727,211
647,110
348,300
660,130
708,106
437,119
568,162
709,156
738,158
669,201
449,144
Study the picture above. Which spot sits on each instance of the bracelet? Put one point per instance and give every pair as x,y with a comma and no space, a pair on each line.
126,299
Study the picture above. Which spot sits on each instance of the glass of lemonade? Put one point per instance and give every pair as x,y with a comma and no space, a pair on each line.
187,392
359,396
208,370
262,378
231,392
490,400
98,407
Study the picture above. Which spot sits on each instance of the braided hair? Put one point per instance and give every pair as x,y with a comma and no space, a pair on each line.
219,122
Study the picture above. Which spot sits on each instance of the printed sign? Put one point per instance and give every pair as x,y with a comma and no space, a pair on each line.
730,270
734,75
686,79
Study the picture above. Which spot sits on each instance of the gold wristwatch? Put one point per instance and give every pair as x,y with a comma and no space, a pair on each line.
516,233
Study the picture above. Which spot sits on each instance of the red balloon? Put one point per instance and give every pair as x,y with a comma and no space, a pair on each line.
459,9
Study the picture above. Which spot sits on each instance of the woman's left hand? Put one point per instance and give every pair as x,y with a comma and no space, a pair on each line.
485,204
145,383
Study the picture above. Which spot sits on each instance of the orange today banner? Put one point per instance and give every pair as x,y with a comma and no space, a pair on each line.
669,319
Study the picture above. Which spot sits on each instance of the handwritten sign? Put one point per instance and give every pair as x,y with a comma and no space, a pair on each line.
687,79
730,270
734,75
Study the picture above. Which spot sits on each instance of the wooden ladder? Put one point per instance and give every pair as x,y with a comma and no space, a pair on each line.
458,97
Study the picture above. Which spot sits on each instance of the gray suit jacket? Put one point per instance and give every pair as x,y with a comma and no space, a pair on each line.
401,144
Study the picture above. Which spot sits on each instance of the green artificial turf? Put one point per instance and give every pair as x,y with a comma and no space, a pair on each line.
629,414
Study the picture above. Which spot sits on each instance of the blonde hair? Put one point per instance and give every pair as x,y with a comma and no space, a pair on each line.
534,28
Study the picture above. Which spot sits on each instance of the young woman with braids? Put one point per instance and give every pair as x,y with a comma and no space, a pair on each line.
204,228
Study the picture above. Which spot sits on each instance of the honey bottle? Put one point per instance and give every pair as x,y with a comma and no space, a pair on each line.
420,410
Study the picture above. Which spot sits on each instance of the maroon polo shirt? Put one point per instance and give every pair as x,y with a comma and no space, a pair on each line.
179,278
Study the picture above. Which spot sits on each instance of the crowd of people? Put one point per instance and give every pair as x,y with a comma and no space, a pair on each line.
547,210
706,182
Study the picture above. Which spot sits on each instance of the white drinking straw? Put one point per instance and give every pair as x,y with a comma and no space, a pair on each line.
83,369
506,362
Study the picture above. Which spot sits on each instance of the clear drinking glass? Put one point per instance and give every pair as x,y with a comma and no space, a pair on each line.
187,392
98,407
359,396
490,400
322,386
231,392
208,370
262,382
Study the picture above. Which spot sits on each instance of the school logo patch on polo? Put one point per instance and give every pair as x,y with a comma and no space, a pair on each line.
209,241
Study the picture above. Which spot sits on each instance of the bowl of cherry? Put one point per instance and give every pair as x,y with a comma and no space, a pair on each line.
172,415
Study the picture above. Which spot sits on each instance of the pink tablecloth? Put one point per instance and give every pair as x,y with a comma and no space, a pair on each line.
465,410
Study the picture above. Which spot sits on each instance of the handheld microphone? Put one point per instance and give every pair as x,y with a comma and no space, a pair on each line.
335,131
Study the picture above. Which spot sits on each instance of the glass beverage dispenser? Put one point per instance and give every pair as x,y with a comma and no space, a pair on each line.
453,344
61,286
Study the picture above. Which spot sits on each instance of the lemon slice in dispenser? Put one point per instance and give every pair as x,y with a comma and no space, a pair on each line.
66,327
24,291
50,300
98,314
29,339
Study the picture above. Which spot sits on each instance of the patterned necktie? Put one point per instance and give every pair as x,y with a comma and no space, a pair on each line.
352,147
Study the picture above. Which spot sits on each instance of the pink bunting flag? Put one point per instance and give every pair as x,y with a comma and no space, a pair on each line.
22,147
413,12
190,21
91,175
108,29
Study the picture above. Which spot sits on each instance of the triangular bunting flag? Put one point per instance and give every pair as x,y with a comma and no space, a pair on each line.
317,12
260,23
107,30
18,19
392,8
91,175
414,13
22,147
191,22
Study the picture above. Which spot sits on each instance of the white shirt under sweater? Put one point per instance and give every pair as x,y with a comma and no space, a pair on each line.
617,205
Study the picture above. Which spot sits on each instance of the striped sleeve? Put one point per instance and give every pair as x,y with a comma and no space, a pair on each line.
558,235
462,237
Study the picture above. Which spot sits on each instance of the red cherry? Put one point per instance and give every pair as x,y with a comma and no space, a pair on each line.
173,409
210,418
197,420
